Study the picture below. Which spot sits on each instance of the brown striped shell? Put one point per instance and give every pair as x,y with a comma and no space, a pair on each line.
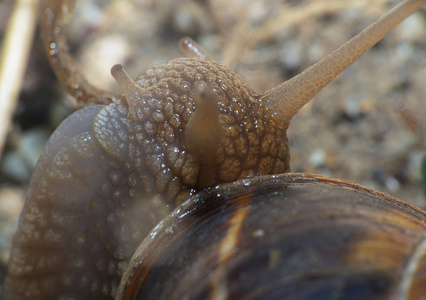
291,236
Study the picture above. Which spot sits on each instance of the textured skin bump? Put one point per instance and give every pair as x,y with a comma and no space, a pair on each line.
254,140
110,173
80,224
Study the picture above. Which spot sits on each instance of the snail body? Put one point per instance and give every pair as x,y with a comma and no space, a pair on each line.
111,172
119,153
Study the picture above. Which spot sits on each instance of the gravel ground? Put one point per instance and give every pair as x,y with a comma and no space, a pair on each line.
368,126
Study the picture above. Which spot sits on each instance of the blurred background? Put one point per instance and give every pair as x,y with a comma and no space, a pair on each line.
368,125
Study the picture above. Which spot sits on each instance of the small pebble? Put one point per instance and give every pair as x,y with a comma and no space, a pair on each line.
13,166
412,29
414,165
392,184
31,145
109,50
258,233
352,107
317,157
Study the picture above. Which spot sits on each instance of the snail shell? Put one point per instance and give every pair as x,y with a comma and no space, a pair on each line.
291,236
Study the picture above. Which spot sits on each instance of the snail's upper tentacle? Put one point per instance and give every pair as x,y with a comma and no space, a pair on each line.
290,96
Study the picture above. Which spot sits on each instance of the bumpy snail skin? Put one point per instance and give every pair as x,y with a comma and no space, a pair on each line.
131,159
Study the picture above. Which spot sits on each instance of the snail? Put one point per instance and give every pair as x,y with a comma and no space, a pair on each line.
178,176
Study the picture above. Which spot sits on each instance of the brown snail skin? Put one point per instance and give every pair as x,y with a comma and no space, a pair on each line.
111,172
